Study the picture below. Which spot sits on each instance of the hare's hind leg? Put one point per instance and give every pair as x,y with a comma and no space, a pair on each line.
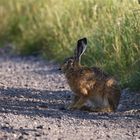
101,105
105,109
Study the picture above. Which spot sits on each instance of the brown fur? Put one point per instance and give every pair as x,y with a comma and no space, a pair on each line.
91,84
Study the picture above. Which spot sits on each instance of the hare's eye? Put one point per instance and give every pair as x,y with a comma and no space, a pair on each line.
70,60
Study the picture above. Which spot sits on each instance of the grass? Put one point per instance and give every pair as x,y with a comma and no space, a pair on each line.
51,28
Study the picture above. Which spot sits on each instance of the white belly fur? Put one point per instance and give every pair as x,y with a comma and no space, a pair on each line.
98,101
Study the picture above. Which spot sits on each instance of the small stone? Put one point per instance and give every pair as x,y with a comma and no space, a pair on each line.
14,135
42,106
21,128
20,137
137,126
105,125
21,96
108,136
59,125
27,67
37,134
40,127
26,85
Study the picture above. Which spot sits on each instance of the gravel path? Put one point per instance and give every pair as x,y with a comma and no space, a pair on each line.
33,96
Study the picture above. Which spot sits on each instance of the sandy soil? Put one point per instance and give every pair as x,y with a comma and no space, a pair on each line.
33,96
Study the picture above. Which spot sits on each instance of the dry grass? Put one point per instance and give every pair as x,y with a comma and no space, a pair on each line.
51,28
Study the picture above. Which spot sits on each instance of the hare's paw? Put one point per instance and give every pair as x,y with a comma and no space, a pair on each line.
71,107
98,109
80,103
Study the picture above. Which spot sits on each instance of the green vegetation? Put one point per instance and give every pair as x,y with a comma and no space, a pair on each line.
52,27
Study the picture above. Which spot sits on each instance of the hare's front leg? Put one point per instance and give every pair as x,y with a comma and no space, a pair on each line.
80,103
74,101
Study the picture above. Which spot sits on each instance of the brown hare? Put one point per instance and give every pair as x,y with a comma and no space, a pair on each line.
90,85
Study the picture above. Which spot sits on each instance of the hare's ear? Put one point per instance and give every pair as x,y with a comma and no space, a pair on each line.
80,49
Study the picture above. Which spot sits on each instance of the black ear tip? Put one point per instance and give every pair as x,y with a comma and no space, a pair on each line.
85,40
82,40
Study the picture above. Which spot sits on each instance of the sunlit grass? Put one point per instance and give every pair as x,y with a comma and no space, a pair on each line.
52,27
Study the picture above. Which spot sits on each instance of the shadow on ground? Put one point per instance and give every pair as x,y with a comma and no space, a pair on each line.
45,103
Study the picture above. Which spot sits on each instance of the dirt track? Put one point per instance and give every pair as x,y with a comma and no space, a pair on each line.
33,96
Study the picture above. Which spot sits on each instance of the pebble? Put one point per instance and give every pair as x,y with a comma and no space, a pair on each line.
40,127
